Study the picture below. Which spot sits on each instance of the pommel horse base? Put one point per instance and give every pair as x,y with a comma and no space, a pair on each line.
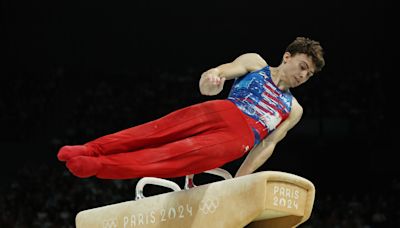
265,199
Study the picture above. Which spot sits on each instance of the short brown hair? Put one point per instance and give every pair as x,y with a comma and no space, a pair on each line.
309,47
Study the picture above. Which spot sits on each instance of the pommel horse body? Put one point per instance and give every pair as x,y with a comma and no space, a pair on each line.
265,199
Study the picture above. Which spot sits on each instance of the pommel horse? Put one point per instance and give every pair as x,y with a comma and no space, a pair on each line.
264,199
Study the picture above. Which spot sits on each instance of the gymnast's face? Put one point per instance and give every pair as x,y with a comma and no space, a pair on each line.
298,68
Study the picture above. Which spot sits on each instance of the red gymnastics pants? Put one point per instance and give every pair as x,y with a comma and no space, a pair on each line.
187,141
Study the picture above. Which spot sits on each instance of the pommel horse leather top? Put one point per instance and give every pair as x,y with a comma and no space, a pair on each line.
265,199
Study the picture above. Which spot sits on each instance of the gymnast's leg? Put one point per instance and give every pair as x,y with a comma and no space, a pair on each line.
177,125
187,156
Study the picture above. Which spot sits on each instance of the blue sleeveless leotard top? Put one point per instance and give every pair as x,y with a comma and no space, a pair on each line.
256,95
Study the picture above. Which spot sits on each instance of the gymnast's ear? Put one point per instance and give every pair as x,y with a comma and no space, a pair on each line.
286,57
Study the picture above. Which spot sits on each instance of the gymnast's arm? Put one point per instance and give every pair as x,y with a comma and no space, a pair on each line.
212,81
260,154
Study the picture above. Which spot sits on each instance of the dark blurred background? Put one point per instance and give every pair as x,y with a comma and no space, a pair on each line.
74,71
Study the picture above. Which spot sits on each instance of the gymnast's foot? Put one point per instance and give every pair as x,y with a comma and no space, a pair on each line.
84,166
68,152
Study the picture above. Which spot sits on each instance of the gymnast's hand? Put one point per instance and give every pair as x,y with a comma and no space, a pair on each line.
211,83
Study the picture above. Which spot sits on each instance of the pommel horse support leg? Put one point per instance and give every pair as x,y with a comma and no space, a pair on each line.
265,199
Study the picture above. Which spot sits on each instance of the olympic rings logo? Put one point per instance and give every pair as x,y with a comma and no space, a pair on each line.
209,206
112,223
